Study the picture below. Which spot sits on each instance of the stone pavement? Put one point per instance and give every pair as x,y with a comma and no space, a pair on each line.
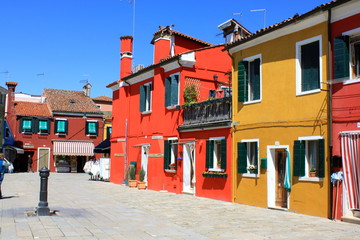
102,210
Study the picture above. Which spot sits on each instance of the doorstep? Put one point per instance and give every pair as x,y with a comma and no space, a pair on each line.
351,219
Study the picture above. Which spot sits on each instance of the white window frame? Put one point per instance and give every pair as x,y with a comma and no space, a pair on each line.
307,177
352,33
174,149
148,98
298,65
214,168
251,59
254,140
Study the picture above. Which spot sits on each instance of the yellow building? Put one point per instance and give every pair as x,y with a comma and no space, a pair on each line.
280,109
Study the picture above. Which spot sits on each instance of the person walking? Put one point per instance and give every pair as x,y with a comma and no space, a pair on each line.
4,163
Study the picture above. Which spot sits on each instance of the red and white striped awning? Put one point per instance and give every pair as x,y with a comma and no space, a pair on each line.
74,148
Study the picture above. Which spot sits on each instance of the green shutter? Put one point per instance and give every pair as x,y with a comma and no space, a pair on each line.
223,153
310,66
168,91
96,128
209,154
341,57
321,167
242,81
255,79
87,128
167,154
35,125
175,90
142,98
21,122
299,158
256,154
66,126
242,157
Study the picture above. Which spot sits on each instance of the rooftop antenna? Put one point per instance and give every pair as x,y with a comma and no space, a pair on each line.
86,81
240,14
261,10
7,74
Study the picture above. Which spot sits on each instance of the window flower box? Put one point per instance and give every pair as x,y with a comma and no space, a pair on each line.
214,174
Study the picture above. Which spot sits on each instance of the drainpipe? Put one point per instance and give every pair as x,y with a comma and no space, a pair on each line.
234,172
330,130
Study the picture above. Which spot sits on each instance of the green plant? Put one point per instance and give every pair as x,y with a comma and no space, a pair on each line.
132,173
142,174
312,169
190,94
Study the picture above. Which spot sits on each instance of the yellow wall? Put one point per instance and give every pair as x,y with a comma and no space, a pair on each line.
282,117
106,124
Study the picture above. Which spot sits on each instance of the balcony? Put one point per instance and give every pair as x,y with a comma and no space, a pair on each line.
206,115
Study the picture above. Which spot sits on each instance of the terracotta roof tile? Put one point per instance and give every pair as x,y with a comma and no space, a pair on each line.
32,109
103,98
69,101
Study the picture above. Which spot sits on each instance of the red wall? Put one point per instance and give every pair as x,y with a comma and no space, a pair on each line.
345,98
76,131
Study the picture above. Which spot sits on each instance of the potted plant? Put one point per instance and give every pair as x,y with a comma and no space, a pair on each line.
141,183
252,169
172,166
312,172
131,175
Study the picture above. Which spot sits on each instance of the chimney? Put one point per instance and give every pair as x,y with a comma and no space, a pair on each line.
162,44
86,89
126,55
10,97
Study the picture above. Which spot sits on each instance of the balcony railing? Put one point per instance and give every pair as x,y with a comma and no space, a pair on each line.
207,113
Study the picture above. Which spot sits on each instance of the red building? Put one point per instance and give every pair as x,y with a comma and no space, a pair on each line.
345,40
173,118
59,133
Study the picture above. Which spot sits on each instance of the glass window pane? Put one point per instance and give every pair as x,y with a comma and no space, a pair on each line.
27,124
43,125
61,126
92,127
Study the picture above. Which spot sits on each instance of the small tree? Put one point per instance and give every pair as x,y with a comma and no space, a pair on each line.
190,94
142,174
132,173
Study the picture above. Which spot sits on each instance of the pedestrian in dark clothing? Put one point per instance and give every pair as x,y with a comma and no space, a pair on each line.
4,163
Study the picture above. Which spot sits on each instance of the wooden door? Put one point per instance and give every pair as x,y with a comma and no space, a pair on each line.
280,167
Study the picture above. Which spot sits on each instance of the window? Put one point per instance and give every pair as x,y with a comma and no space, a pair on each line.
44,126
26,125
170,153
249,79
61,126
308,65
145,97
92,128
216,154
347,56
248,156
172,90
108,131
309,157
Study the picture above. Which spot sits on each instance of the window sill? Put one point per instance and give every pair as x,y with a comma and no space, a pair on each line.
175,107
91,135
60,134
310,179
350,81
170,171
146,112
308,92
252,102
215,170
43,133
251,175
27,133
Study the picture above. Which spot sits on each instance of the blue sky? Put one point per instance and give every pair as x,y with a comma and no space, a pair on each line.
60,43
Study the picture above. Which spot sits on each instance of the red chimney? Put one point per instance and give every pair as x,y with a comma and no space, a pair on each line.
126,45
162,44
10,108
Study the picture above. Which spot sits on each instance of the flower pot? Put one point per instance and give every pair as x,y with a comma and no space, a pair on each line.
132,183
312,174
141,185
253,171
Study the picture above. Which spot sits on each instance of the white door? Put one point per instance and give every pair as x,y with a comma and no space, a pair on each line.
144,159
189,168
